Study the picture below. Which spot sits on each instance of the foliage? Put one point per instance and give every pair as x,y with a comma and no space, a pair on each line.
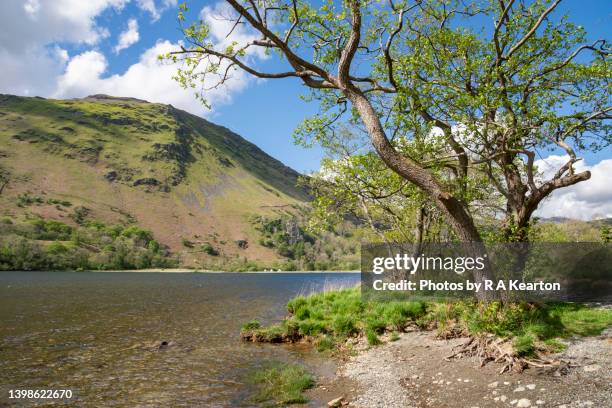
566,231
26,199
306,249
279,384
457,98
43,244
209,249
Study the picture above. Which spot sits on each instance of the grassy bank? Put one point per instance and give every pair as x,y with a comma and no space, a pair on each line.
278,384
328,319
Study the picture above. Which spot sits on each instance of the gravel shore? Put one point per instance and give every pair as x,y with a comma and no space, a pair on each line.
413,372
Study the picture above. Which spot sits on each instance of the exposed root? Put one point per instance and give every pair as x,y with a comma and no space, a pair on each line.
490,348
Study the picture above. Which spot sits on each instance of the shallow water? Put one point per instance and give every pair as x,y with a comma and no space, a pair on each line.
95,334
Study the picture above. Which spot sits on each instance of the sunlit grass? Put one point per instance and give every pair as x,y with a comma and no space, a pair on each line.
278,384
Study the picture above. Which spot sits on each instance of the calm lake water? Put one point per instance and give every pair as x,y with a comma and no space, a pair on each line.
95,334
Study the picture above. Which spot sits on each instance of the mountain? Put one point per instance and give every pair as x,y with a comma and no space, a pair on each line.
125,161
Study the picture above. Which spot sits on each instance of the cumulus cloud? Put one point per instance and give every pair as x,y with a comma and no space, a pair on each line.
152,7
33,65
36,23
590,199
151,79
148,79
29,60
128,37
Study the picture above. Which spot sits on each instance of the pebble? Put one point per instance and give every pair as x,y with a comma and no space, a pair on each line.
523,403
503,398
336,402
530,386
591,368
493,384
519,389
539,402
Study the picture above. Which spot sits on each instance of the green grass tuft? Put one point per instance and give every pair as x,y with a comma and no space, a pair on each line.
333,316
251,325
278,384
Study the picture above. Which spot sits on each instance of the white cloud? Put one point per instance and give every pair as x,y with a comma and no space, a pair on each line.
37,67
37,23
152,8
587,200
128,37
31,7
30,63
148,79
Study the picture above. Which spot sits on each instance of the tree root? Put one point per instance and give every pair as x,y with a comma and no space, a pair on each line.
492,349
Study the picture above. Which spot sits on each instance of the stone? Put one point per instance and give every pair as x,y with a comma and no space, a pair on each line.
539,402
519,389
591,368
530,386
523,403
493,384
503,398
336,402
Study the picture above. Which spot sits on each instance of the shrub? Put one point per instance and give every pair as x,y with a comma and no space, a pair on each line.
80,214
56,248
141,235
209,249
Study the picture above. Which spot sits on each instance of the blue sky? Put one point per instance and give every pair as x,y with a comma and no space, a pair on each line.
69,48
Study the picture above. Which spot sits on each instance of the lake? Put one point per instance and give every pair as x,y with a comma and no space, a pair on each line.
98,334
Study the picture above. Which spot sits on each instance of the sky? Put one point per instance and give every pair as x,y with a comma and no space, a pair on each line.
75,48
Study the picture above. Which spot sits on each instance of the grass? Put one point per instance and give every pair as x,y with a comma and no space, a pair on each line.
128,159
329,318
278,384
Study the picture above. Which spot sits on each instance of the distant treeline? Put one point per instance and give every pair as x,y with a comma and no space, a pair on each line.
40,244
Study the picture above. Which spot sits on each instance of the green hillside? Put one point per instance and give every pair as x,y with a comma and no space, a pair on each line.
102,162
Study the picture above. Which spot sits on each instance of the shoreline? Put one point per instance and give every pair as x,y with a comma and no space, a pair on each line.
414,372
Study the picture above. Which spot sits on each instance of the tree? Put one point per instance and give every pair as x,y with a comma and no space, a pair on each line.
429,73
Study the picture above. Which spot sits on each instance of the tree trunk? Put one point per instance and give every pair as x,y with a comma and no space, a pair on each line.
454,211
